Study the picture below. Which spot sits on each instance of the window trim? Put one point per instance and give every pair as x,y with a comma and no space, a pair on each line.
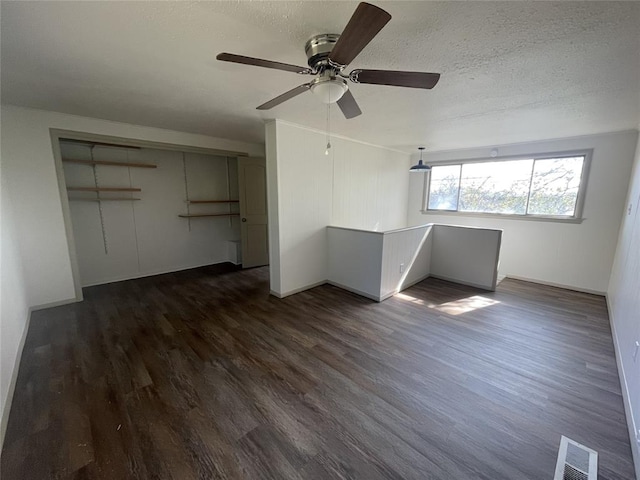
577,217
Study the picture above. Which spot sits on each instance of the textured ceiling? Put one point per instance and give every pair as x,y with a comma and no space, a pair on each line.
511,71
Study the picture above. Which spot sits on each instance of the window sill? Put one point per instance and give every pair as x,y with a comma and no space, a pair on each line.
528,218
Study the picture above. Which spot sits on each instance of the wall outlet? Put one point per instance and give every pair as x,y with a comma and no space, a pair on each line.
402,268
629,209
635,352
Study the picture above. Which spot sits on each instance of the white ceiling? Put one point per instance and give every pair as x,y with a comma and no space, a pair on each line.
511,71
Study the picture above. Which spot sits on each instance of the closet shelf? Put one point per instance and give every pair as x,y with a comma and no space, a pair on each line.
114,199
103,189
213,201
192,215
108,162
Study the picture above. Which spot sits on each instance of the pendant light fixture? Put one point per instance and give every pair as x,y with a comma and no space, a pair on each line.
420,167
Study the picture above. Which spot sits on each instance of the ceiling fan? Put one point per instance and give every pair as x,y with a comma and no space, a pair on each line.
328,54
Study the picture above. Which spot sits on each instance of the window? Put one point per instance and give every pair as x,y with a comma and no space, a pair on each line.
549,187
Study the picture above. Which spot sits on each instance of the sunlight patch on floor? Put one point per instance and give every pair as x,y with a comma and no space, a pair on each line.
465,305
417,301
455,307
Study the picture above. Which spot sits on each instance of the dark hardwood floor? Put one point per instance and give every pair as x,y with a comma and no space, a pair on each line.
202,374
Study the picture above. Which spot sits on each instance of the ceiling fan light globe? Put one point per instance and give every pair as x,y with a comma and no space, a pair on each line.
329,91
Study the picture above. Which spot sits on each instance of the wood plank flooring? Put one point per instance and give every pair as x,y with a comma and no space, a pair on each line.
202,375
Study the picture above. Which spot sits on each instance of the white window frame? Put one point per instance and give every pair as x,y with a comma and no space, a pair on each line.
577,217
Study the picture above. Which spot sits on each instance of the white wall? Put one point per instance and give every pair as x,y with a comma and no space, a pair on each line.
378,265
577,256
273,207
624,306
147,237
358,186
406,258
466,255
355,260
303,185
28,162
14,309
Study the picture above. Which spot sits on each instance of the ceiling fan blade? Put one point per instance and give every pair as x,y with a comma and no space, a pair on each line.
365,23
349,106
259,62
284,97
395,78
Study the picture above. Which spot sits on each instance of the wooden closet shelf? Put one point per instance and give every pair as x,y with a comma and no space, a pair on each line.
91,143
192,215
213,201
114,199
109,162
103,189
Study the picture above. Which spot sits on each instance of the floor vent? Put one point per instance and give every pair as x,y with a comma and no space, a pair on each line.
575,461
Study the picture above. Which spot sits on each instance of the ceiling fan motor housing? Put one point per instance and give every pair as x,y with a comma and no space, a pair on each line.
318,49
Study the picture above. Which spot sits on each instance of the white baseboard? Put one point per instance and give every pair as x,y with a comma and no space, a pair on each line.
460,282
403,287
559,285
626,399
412,283
14,377
296,290
356,291
152,274
53,304
371,296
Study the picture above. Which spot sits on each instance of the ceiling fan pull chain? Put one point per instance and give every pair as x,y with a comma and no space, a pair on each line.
326,152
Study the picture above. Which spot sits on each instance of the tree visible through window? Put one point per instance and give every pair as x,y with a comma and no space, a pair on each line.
534,186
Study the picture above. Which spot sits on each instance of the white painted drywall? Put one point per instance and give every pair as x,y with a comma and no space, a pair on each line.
355,260
303,189
624,306
411,248
357,185
14,309
28,163
369,185
273,208
466,255
577,256
147,237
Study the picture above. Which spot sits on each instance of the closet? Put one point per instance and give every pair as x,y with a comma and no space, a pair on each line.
142,211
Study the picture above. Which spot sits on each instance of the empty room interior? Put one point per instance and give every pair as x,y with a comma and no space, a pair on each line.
320,240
